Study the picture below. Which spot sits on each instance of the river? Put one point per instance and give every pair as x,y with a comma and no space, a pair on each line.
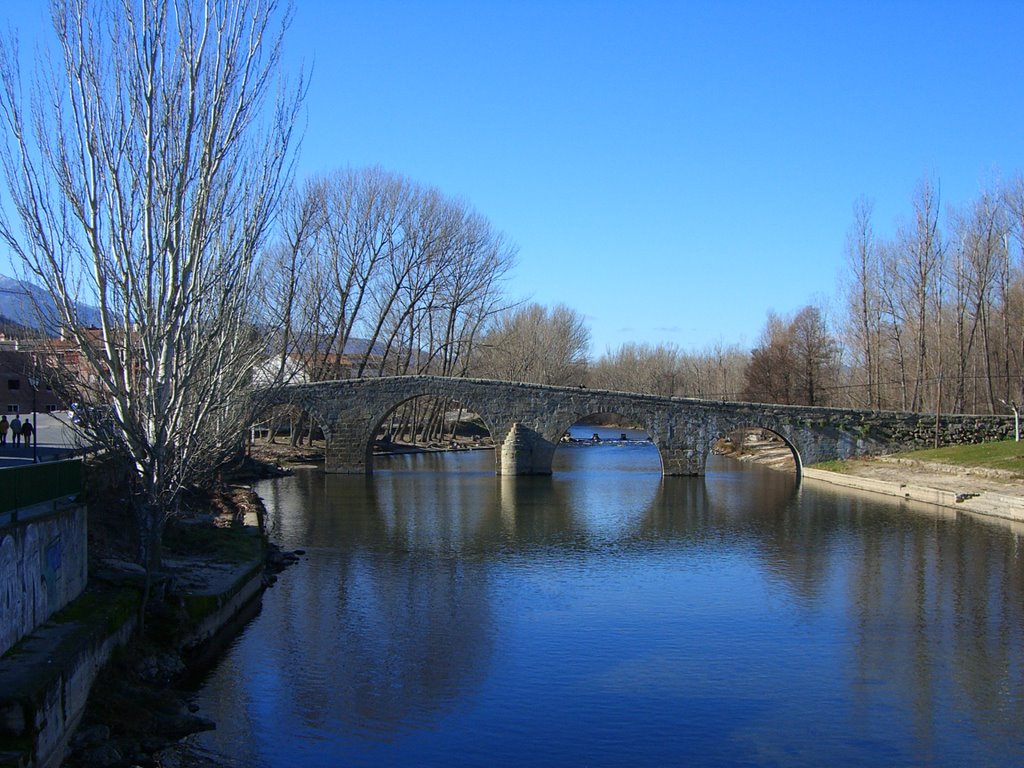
606,616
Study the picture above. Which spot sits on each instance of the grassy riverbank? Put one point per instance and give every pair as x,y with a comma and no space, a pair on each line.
998,458
1004,455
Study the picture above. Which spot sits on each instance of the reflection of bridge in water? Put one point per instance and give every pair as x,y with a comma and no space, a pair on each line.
527,421
448,544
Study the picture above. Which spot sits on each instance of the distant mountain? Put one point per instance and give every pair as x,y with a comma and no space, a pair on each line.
26,305
359,347
21,303
302,344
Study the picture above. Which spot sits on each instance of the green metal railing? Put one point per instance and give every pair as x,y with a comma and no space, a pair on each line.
35,484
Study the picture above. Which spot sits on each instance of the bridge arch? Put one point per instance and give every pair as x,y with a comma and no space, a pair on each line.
742,431
566,421
387,409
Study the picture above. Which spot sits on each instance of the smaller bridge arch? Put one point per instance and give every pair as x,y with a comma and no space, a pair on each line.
743,428
563,421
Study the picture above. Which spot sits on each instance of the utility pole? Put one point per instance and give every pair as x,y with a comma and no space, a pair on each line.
33,380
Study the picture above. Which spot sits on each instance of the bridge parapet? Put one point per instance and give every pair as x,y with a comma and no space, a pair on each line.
526,421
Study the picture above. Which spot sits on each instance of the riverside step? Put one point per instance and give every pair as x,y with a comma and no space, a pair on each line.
980,503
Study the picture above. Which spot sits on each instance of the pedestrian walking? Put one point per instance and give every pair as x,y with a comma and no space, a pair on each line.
16,431
26,432
5,425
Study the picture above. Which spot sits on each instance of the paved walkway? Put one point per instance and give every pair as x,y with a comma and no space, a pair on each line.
945,476
57,440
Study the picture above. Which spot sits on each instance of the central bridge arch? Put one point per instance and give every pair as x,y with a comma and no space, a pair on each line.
377,421
526,422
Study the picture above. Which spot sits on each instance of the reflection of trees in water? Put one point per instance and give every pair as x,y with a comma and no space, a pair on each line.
749,507
937,598
397,621
940,619
399,598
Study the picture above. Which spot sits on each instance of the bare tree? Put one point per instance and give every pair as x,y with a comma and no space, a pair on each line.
534,344
985,245
893,312
665,369
919,267
862,262
1014,310
145,171
796,361
769,374
645,368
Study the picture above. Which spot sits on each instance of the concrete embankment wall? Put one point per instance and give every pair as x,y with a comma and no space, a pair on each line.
981,503
212,612
46,677
43,567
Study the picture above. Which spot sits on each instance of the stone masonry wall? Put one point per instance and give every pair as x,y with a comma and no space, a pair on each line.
683,429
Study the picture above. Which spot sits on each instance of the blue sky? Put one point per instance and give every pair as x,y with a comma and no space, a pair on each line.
670,170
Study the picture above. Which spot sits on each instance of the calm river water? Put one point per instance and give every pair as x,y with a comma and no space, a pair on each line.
606,616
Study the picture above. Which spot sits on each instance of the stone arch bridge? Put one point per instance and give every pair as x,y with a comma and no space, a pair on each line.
526,422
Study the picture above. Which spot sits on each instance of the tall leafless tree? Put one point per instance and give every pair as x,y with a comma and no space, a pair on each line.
919,268
795,361
862,263
815,357
770,373
144,170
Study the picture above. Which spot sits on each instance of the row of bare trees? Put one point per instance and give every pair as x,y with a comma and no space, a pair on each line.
935,314
380,275
535,344
664,369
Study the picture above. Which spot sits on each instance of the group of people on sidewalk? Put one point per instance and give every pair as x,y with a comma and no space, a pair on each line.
19,429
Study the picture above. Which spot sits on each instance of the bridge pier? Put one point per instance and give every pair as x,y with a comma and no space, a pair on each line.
683,461
525,452
347,450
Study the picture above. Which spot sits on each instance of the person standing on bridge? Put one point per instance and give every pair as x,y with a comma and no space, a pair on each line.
4,426
16,430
